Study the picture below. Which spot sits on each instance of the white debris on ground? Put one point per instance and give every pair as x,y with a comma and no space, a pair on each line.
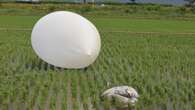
125,95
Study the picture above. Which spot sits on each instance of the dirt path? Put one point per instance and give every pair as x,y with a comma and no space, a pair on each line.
69,95
36,107
15,29
192,19
59,102
149,33
48,101
113,31
11,106
79,96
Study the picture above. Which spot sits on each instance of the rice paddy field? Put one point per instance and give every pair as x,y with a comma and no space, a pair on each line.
156,56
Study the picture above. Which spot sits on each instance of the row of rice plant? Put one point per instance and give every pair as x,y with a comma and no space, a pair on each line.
160,67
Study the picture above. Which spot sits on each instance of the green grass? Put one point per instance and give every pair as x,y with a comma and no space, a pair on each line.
161,67
114,24
145,25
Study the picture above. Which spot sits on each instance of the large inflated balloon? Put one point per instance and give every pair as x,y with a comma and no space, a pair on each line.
65,39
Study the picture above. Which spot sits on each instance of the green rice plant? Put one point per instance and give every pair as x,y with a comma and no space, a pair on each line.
159,66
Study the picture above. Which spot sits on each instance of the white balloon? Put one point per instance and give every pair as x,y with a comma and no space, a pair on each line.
66,39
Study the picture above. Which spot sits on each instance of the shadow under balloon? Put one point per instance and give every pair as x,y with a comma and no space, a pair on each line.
44,66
